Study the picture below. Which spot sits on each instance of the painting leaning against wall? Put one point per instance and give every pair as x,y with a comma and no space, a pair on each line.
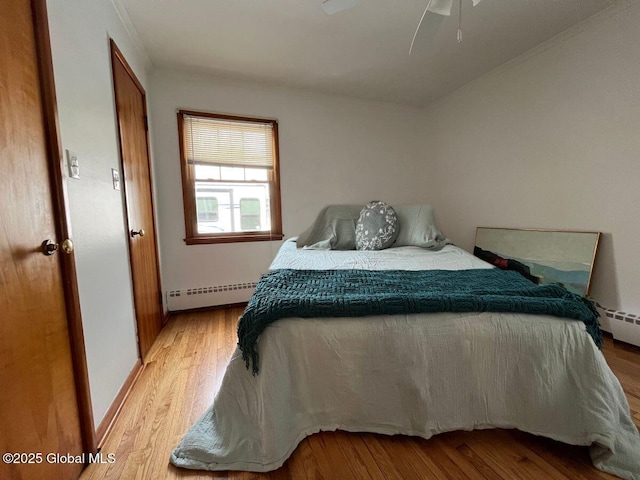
542,256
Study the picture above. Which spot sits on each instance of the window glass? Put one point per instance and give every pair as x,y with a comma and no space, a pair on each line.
250,214
230,178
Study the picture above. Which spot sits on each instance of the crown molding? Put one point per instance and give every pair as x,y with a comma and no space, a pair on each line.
131,30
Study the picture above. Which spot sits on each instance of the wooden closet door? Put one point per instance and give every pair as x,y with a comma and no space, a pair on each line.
38,404
132,128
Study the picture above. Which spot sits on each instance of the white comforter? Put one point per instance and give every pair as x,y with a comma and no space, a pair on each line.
412,374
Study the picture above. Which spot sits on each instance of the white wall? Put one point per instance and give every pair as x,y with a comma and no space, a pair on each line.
332,150
550,140
80,32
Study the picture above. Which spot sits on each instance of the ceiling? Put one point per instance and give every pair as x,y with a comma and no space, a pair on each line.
361,52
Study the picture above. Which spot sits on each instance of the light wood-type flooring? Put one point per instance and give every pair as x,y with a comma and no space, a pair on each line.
184,371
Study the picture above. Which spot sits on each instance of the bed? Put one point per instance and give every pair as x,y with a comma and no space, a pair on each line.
410,373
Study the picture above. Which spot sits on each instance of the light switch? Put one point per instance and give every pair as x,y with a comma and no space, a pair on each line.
74,166
115,175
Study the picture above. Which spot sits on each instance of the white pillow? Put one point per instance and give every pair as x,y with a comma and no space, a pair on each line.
417,227
333,229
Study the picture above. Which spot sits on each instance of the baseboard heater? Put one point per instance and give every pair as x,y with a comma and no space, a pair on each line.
622,325
209,296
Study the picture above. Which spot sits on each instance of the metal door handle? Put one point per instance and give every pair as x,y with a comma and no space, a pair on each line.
67,246
49,247
139,232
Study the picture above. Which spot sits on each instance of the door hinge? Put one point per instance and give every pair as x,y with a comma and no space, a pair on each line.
146,123
160,297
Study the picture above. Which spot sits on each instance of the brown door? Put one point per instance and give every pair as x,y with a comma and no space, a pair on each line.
131,112
38,406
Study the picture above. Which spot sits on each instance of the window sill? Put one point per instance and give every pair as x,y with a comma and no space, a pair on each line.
244,237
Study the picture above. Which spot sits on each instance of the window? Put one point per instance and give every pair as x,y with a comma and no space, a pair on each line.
207,208
230,178
250,218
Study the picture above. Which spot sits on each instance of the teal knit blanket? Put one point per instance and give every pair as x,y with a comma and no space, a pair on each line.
356,293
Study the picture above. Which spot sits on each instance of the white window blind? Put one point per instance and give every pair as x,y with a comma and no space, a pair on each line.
222,142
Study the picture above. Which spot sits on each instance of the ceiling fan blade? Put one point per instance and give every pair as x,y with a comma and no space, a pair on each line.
415,34
335,6
441,7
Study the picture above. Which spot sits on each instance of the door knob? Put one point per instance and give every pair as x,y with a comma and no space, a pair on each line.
139,232
67,246
49,247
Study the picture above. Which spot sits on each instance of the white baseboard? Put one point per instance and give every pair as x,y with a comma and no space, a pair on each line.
212,296
622,325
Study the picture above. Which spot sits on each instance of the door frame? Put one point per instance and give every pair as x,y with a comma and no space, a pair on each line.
117,56
62,221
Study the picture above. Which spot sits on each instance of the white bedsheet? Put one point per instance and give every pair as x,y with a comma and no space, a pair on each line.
449,257
418,375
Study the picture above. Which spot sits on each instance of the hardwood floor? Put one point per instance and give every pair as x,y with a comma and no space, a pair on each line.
185,368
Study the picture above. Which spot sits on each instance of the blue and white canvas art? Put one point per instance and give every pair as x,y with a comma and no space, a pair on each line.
542,256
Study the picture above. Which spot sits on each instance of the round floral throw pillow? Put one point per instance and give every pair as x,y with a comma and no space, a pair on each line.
377,227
